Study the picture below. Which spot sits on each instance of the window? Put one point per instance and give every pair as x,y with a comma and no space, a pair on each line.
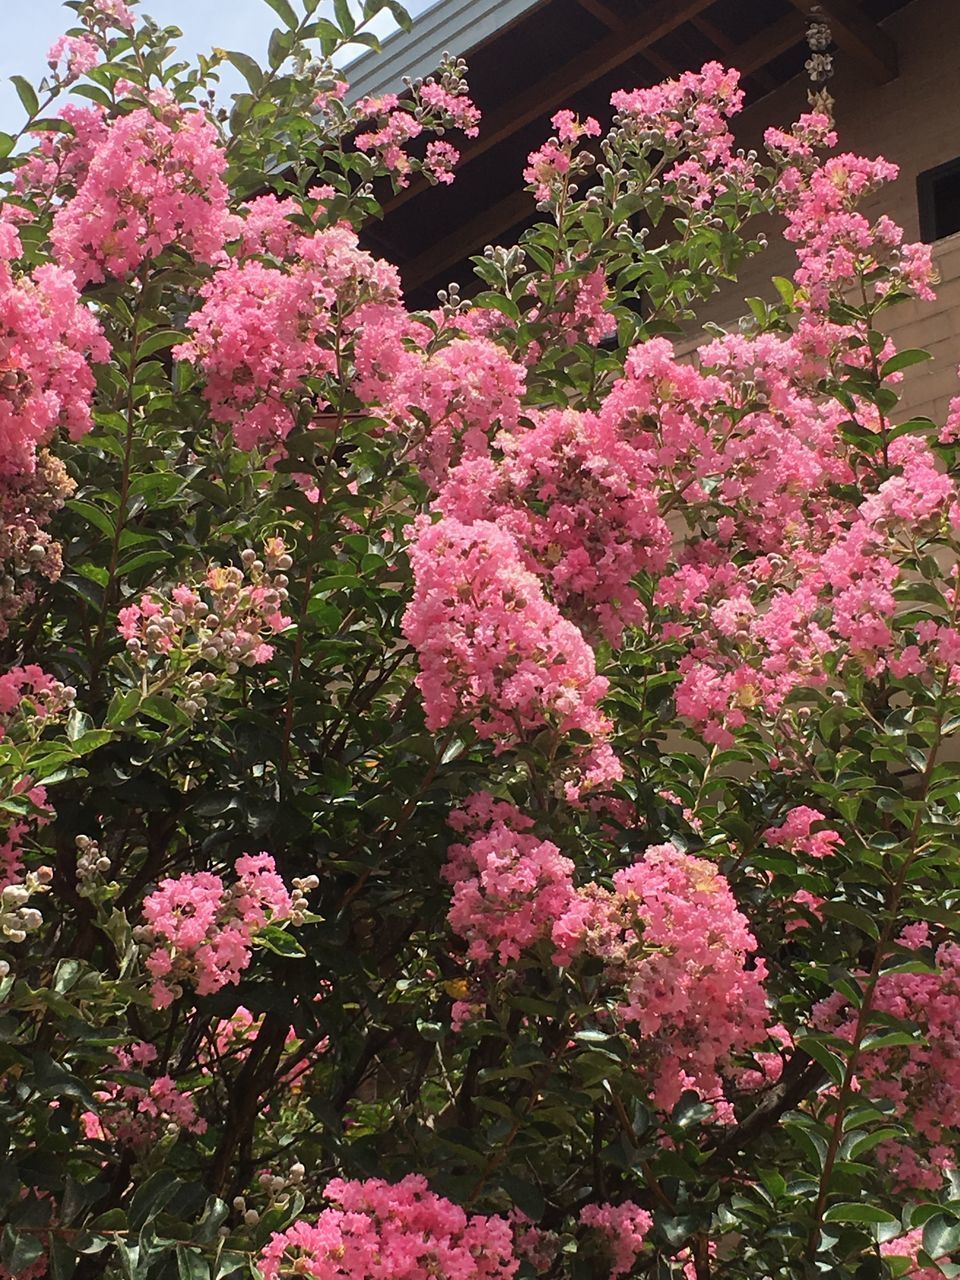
938,194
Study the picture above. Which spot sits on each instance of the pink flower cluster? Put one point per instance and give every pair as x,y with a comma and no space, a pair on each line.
581,502
551,168
778,573
533,1245
108,13
836,244
58,162
673,941
623,1228
377,1230
918,495
688,113
908,1246
677,955
153,180
135,1115
493,650
267,338
47,340
29,694
15,832
451,400
796,834
201,931
434,105
680,127
921,1080
245,606
508,886
81,54
27,551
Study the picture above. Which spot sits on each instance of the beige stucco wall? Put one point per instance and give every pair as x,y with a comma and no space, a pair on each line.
915,122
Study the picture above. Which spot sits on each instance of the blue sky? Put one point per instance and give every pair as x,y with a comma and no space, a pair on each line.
31,26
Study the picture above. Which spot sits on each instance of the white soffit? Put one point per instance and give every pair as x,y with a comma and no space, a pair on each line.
451,26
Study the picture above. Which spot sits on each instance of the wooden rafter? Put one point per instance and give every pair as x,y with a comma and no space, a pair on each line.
615,21
604,13
729,49
856,34
469,237
769,44
554,90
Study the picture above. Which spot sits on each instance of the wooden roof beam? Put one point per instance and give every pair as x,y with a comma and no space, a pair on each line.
554,90
614,21
467,239
856,34
603,12
769,44
729,49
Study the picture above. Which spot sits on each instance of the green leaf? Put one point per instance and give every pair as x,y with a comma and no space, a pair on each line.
941,1235
891,1039
786,289
903,360
27,95
817,1050
284,11
61,1259
190,1264
281,42
858,1212
92,740
159,342
277,940
345,22
856,916
19,1249
144,560
249,68
122,705
78,723
93,515
163,709
151,1196
866,1142
400,15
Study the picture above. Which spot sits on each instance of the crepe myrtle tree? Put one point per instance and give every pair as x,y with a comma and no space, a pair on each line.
479,788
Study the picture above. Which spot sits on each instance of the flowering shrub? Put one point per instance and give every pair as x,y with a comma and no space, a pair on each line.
598,704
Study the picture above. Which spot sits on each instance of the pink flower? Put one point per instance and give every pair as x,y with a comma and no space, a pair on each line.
509,887
263,331
920,1081
201,931
671,938
400,1230
440,161
82,55
623,1227
111,13
152,181
796,835
47,339
581,503
495,652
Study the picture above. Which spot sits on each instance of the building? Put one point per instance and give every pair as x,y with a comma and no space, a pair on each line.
895,84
